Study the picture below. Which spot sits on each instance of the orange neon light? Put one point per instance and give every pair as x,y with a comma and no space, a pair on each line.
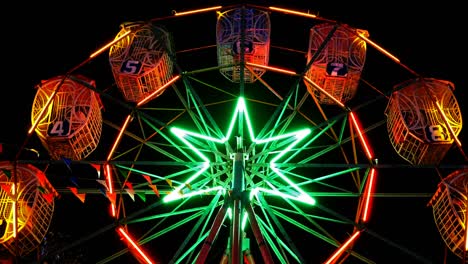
466,229
373,44
271,68
197,11
342,248
15,216
447,123
99,51
361,136
289,11
149,97
369,192
127,121
46,106
134,245
323,91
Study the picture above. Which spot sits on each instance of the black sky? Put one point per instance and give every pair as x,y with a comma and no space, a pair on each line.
51,39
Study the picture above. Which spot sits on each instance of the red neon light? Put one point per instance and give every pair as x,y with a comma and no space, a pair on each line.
369,192
108,175
338,253
134,245
109,178
127,121
361,136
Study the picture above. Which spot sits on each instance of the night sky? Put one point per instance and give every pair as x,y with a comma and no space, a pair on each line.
53,39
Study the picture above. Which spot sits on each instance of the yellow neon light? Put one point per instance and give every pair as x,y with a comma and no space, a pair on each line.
15,216
289,11
41,114
197,11
441,111
466,229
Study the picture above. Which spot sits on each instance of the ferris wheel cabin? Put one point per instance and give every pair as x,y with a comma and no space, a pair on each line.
242,36
336,56
24,228
70,125
423,117
140,60
449,205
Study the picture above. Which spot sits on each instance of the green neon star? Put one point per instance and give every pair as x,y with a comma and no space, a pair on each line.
241,109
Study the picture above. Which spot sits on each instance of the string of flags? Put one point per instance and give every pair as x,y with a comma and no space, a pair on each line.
81,196
44,187
49,193
105,188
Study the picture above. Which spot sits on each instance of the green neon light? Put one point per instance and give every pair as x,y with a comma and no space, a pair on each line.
178,195
245,217
241,109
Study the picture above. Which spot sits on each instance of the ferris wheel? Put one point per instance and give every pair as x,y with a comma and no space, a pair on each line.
242,148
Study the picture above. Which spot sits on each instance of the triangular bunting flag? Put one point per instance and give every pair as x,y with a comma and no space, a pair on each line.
7,173
131,193
80,196
49,197
103,183
112,197
129,185
188,186
101,171
74,180
6,188
67,162
103,191
104,170
41,189
98,168
148,178
74,190
130,190
142,196
169,181
155,189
